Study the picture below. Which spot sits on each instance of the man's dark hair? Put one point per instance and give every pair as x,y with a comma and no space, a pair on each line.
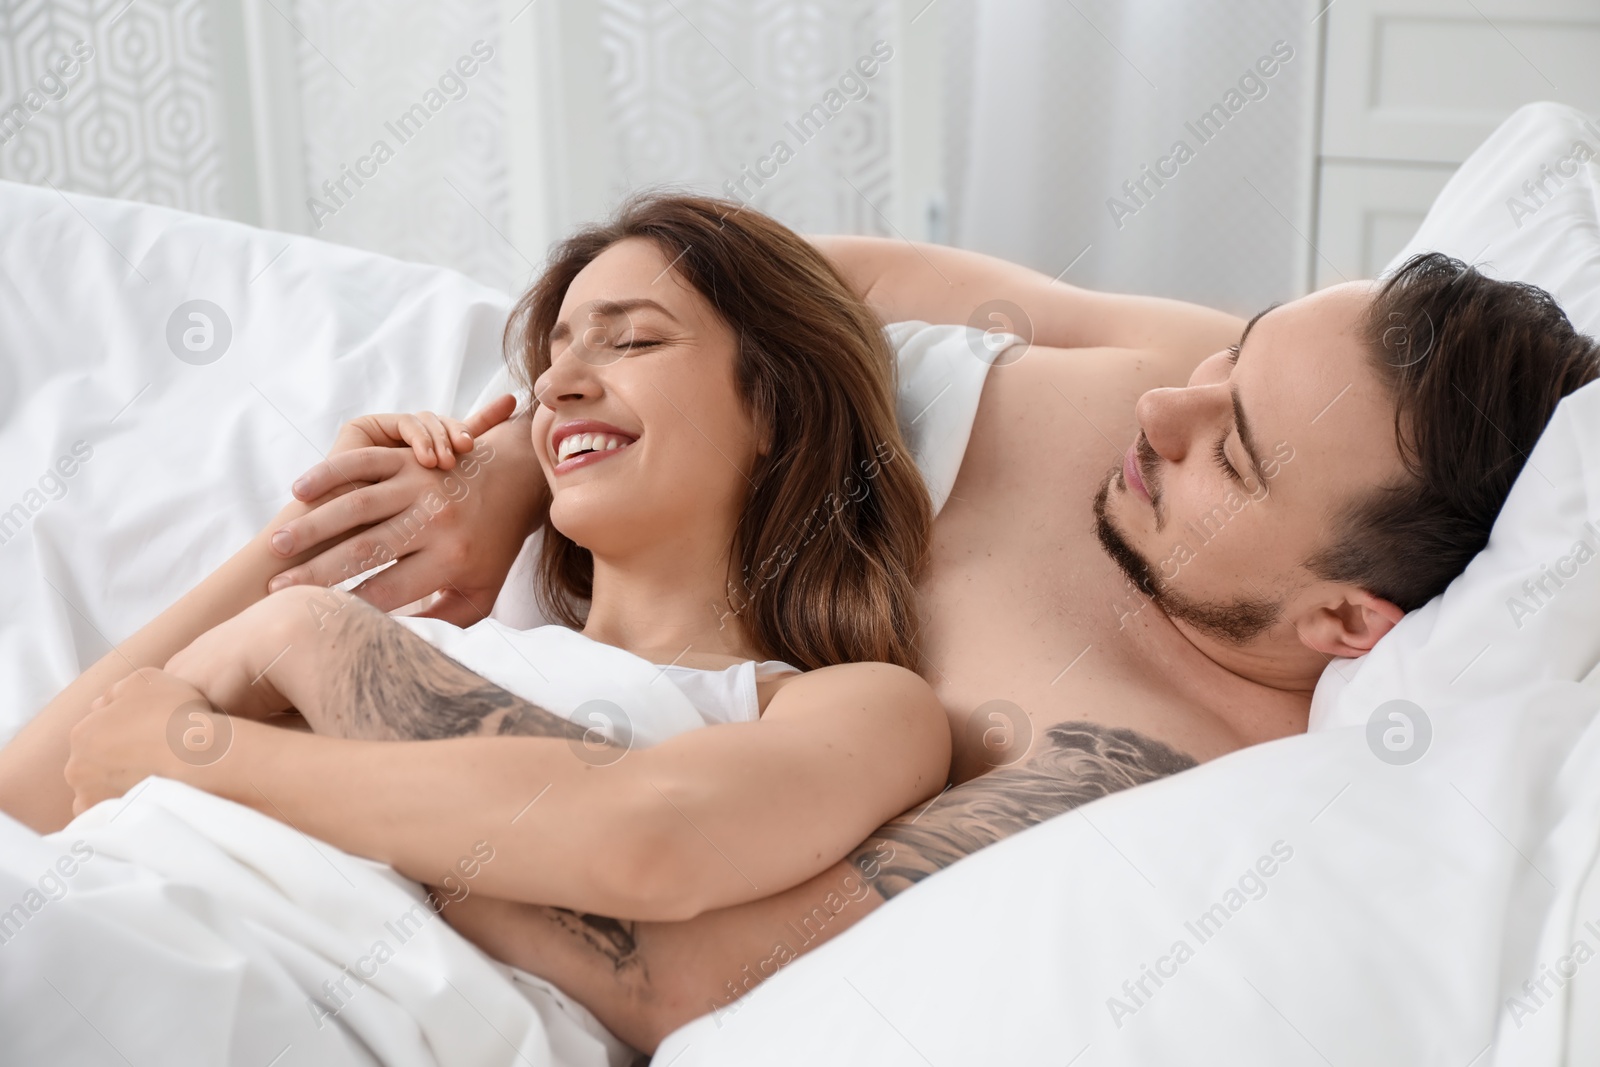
1476,368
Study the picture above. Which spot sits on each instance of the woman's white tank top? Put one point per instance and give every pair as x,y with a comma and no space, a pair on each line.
626,697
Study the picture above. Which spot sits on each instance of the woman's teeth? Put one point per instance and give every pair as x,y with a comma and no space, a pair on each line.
573,444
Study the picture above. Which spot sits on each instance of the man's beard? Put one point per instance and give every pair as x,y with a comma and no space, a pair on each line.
1237,622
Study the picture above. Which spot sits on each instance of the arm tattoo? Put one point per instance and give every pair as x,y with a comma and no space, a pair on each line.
1076,763
380,681
615,940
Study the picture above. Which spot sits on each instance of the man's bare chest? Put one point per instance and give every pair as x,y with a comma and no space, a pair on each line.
1026,621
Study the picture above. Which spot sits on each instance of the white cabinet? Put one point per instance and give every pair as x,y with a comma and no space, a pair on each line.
1410,88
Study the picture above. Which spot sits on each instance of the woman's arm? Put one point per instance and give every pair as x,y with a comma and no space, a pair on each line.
709,818
31,787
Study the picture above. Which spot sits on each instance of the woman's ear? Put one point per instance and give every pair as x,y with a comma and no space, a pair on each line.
764,436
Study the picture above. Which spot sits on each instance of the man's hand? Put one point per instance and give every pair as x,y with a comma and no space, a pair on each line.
231,664
455,531
129,735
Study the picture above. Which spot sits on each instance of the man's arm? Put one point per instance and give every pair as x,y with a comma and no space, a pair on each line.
939,284
644,980
454,532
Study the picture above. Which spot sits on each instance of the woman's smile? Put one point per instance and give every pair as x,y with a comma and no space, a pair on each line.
582,442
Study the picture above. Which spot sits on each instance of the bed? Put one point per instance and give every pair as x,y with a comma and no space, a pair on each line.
1332,905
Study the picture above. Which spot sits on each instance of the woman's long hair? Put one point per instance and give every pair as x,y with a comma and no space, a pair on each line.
834,532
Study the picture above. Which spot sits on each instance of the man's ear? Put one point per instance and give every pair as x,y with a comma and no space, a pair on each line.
1350,626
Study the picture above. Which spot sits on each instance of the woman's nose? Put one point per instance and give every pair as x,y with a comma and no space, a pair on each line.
569,377
1174,419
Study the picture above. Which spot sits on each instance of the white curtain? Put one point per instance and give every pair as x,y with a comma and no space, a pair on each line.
1072,98
698,92
442,197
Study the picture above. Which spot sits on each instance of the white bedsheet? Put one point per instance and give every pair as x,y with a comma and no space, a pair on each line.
1382,939
209,948
185,461
195,931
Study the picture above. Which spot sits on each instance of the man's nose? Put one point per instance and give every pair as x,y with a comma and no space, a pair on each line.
1173,420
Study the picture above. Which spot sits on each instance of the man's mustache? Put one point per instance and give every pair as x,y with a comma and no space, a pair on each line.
1149,461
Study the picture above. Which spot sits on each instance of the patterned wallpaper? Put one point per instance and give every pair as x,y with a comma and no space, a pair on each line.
104,97
704,92
701,93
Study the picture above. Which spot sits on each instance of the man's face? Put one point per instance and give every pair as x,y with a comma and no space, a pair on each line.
1237,478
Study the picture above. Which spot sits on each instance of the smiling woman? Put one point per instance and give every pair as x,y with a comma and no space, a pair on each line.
686,355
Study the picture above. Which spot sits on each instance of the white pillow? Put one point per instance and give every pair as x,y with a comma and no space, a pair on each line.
1488,633
1486,215
1526,608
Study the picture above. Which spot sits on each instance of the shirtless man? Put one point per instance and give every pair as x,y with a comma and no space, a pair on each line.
1167,523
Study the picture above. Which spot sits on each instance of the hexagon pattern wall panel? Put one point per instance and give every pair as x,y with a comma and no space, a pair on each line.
780,103
110,98
763,94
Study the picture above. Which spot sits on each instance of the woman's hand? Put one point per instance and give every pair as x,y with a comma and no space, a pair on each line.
456,532
151,722
434,439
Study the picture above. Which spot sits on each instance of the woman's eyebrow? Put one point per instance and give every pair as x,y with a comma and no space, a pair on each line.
610,309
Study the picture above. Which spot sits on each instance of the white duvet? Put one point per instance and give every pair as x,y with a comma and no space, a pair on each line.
191,930
1302,902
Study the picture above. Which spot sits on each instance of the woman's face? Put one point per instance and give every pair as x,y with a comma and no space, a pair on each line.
640,427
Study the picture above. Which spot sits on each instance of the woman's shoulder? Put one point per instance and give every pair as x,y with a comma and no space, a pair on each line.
871,686
771,677
868,708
